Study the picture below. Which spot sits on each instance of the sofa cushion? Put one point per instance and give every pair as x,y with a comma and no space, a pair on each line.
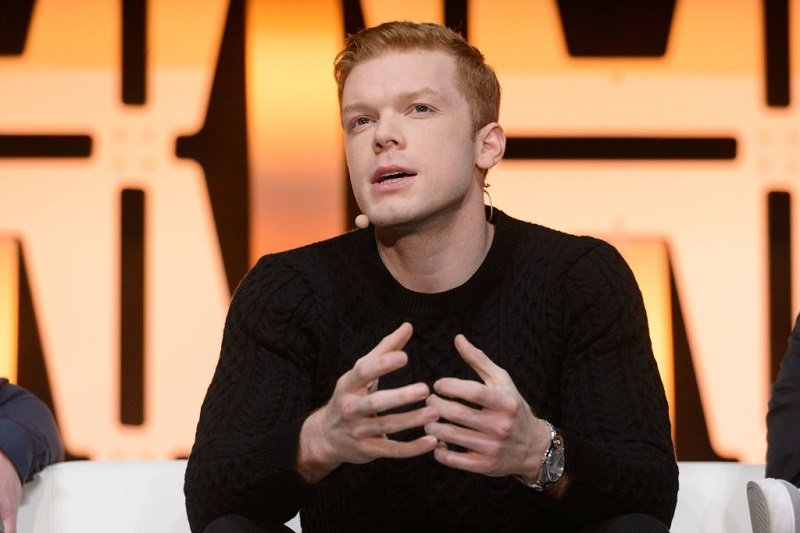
104,496
712,497
136,496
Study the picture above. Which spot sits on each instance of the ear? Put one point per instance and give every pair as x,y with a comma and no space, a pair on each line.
490,145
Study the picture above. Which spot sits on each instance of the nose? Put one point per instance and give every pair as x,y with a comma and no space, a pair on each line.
388,133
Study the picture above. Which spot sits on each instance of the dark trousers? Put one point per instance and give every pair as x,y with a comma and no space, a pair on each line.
232,523
629,523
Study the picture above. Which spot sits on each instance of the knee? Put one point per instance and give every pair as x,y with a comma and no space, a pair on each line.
233,524
628,523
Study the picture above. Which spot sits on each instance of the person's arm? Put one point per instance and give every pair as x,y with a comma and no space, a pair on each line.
612,412
495,429
783,418
29,441
10,494
614,417
245,449
347,429
270,427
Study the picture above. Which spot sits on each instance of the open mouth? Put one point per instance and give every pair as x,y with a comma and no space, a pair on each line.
392,177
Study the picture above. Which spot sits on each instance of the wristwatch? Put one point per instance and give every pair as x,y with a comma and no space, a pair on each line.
552,463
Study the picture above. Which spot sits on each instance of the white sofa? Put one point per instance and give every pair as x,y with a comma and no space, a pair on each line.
136,496
105,496
712,497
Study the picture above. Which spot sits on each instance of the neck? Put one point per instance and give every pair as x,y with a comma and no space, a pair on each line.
440,256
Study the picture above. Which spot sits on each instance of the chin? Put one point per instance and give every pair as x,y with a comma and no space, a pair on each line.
393,222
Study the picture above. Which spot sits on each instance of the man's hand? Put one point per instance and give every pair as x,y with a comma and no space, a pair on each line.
347,428
10,493
501,438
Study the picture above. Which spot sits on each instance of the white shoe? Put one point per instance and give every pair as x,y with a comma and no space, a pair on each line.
774,506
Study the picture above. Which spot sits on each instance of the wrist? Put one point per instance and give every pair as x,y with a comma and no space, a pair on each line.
548,466
529,472
314,462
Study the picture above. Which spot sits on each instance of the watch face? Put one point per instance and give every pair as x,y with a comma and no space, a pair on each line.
555,466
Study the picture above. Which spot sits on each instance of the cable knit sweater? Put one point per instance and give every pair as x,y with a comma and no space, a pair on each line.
562,314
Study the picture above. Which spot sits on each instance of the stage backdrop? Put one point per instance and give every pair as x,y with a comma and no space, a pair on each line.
150,152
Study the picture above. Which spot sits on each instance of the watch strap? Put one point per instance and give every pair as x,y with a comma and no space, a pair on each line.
554,452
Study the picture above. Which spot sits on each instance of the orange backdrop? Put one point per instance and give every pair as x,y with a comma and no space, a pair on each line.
709,215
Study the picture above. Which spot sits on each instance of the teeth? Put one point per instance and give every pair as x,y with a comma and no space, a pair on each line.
394,176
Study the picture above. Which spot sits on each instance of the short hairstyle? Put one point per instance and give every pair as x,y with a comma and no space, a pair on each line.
475,79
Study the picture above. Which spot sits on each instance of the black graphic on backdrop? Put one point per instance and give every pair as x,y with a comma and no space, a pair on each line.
220,148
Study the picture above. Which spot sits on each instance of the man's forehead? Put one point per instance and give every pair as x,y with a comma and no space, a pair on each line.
428,94
402,73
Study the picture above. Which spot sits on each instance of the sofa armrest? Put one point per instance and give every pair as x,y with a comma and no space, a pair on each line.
712,497
102,496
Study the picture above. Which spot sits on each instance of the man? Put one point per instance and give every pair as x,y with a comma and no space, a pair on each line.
29,441
775,501
440,370
783,437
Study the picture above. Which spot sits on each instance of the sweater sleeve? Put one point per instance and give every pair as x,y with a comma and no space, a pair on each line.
614,415
244,456
28,432
783,438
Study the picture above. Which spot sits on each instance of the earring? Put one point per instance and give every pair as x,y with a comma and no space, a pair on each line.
489,197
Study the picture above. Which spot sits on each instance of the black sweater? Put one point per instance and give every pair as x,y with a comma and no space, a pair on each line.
562,314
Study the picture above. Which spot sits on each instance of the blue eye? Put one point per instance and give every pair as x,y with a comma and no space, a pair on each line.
359,121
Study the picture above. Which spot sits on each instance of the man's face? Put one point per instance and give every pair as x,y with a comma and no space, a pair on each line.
408,138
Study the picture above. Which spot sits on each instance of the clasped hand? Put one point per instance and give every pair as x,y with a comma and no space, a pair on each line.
500,437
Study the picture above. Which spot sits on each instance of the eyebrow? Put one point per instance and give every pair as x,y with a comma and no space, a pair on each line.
410,95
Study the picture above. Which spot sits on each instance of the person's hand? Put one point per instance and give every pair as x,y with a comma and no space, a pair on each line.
348,429
10,493
502,437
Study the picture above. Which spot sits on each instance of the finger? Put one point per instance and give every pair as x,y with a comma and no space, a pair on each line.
395,340
464,437
10,522
381,360
384,400
394,423
477,360
381,447
467,461
463,389
476,393
455,412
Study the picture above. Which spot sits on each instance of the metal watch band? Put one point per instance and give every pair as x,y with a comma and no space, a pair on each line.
543,481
